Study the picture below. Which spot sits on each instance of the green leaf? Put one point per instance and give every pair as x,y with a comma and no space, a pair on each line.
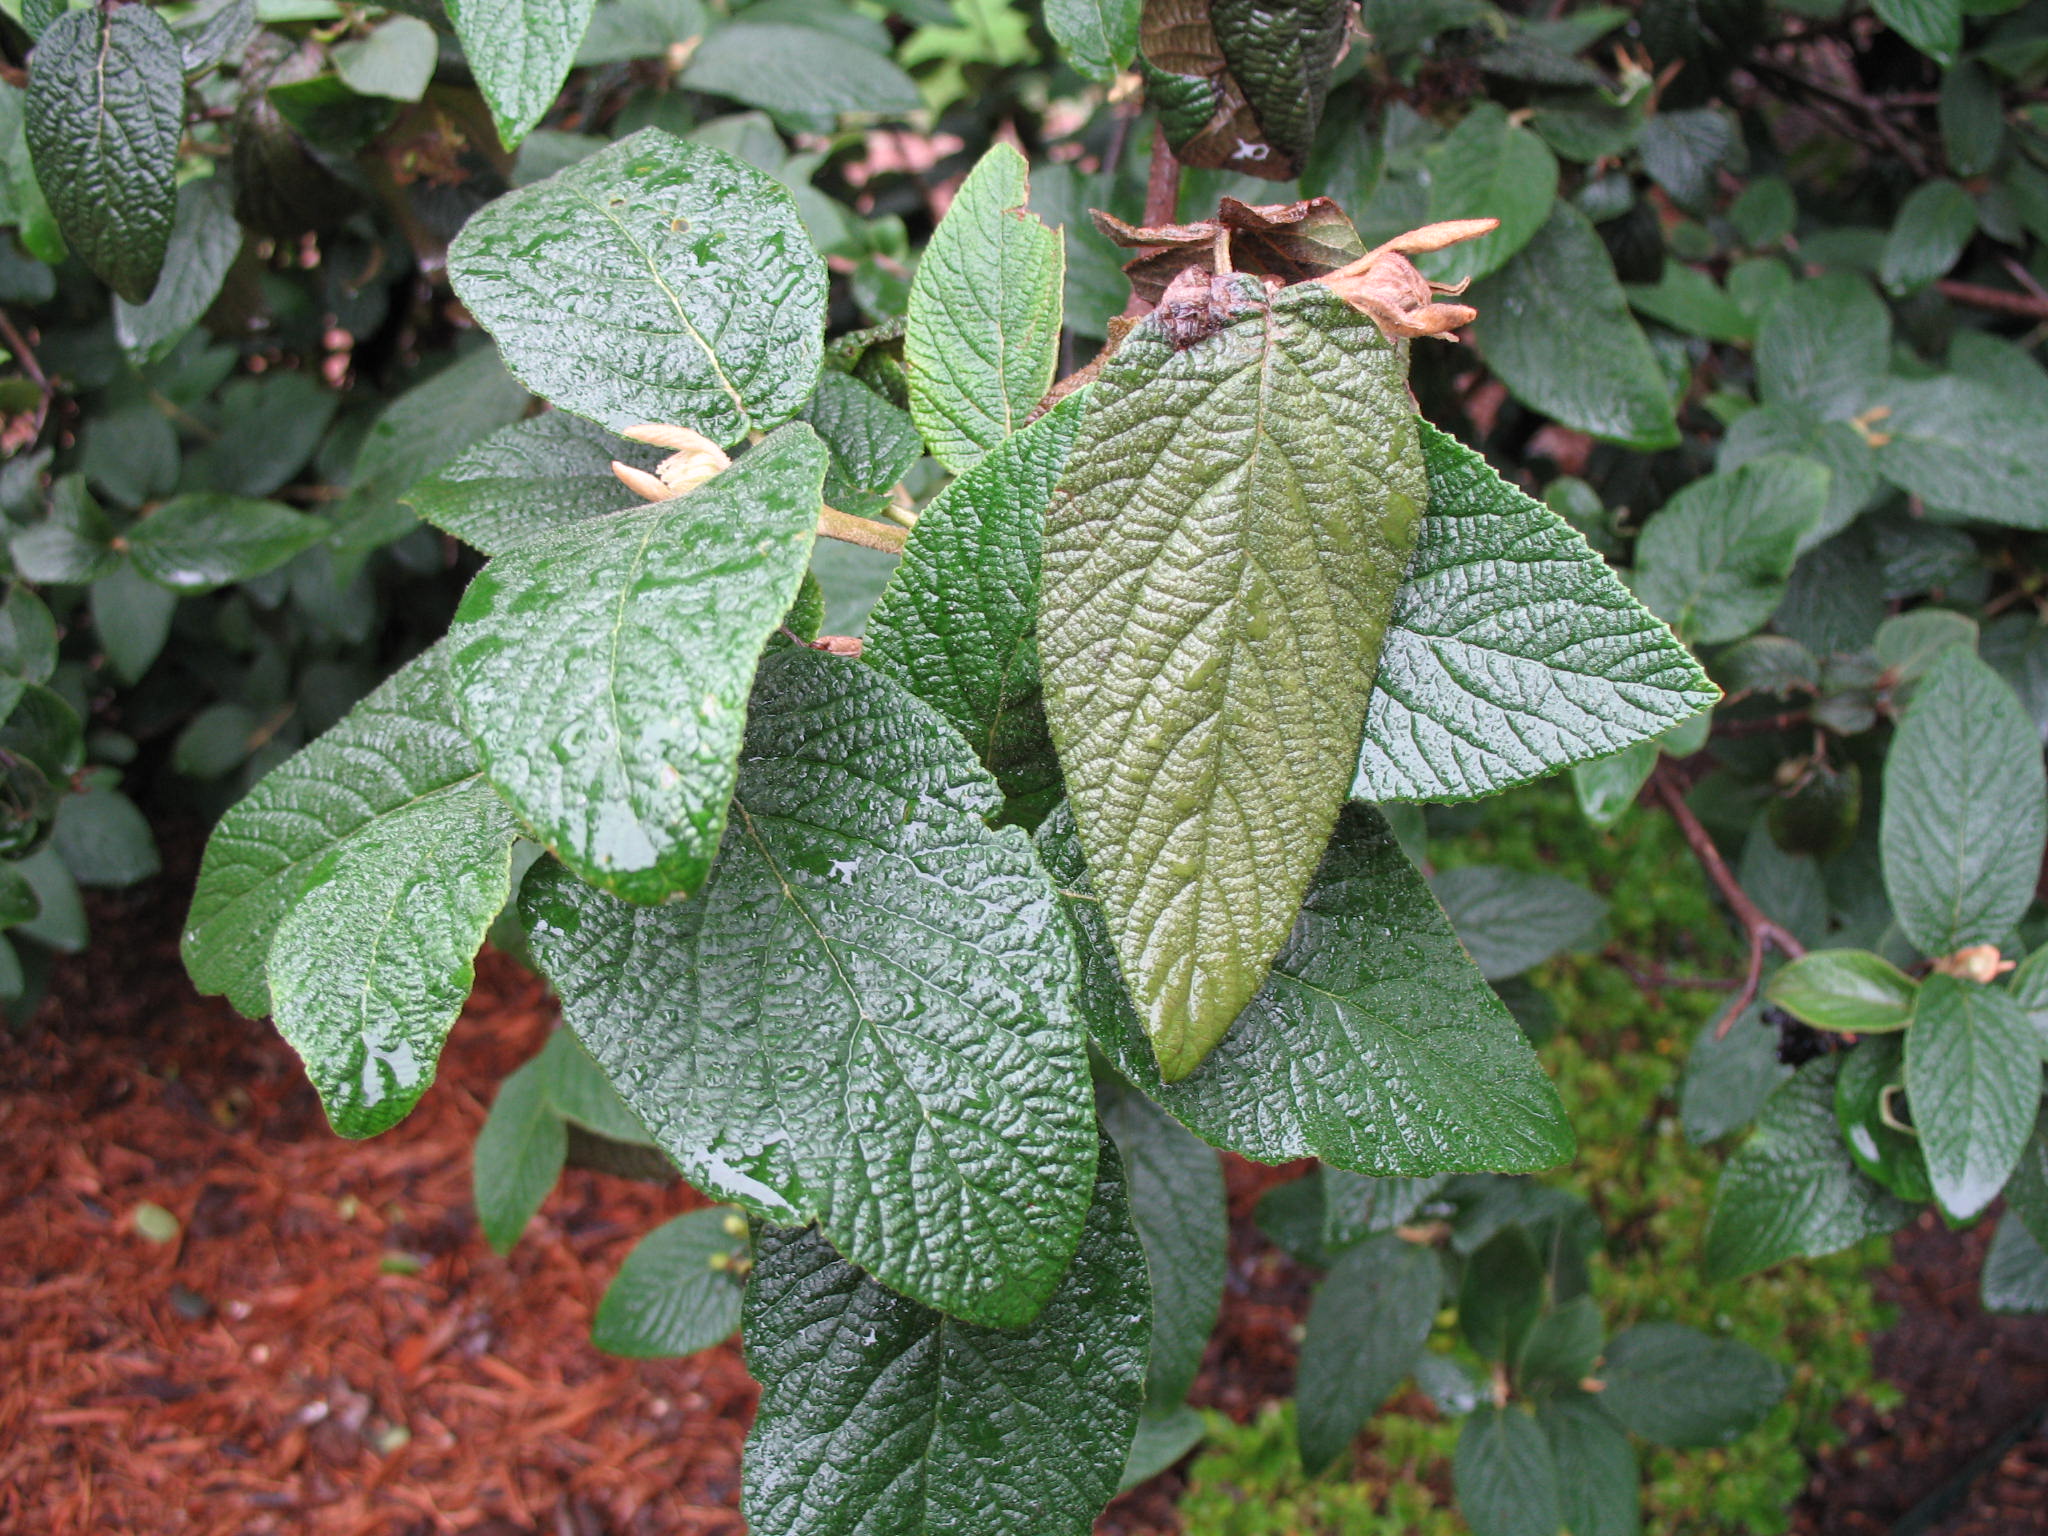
531,477
1356,1205
104,840
1714,560
1792,1189
658,280
1597,1479
199,542
1563,1343
797,70
1162,1438
1927,237
28,638
1513,651
1973,1077
1850,990
1502,1294
604,666
2015,1270
398,749
1866,1111
1935,27
1964,812
1967,444
1825,345
1176,1191
1220,567
1487,167
395,59
1554,325
1505,1476
1972,118
1099,37
1688,300
60,921
1374,1045
917,1422
2029,988
1909,644
211,30
132,616
272,425
519,1155
205,240
18,900
1511,919
956,625
983,333
678,1291
103,116
1680,1387
520,52
1681,150
621,30
873,443
1608,786
897,1054
1366,1328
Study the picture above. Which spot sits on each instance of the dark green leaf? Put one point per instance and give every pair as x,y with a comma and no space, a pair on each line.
520,52
1512,651
273,424
18,900
1933,225
1099,37
1680,1387
1211,632
1564,1343
1850,990
1935,27
1969,444
678,1291
1375,1044
899,1061
519,1156
800,70
60,923
395,59
638,29
657,280
905,1415
200,542
1510,920
204,242
1972,118
1554,325
1502,1295
1488,167
528,478
1973,1077
212,31
1163,1437
104,113
1728,1077
1366,1329
604,666
1597,1478
103,839
1608,786
1826,345
1714,560
983,332
1792,1190
1867,1105
28,637
132,616
1681,150
2015,1270
1356,1205
873,444
1505,1475
1964,809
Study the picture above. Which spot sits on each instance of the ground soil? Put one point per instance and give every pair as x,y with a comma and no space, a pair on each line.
328,1346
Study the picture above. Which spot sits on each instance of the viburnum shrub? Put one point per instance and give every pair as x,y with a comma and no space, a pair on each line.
944,953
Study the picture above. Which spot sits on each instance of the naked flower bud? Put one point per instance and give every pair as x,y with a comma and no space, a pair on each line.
695,460
1385,285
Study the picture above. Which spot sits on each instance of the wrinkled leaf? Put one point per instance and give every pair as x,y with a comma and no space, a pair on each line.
1680,1387
520,52
677,1291
1505,1476
200,542
528,478
1973,1077
1366,1329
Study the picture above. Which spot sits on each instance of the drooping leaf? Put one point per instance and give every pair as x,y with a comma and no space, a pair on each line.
1505,1475
658,280
1220,566
199,542
877,983
1965,808
1366,1329
1513,651
1973,1078
1680,1387
678,1290
1163,1436
520,52
1099,37
974,658
103,116
1374,1045
1597,1478
1488,168
204,241
878,1414
604,666
528,478
1845,989
983,332
1714,559
1792,1189
1511,919
1608,786
519,1155
1176,1193
1217,72
1554,325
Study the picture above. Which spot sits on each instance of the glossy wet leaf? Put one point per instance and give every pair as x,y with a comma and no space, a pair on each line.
1512,919
103,117
1176,1193
604,666
1099,37
1965,808
1867,1108
1845,989
1220,567
530,477
1374,1045
862,1016
1792,1190
878,1414
1366,1328
1681,1387
1714,559
1973,1077
983,332
1597,1477
520,52
873,444
205,240
1555,328
199,542
657,280
678,1291
956,625
1969,444
1504,1474
1513,651
1487,167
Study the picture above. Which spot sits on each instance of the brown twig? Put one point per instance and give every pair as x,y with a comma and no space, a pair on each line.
1871,111
1760,931
1162,201
26,356
2005,302
1764,725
